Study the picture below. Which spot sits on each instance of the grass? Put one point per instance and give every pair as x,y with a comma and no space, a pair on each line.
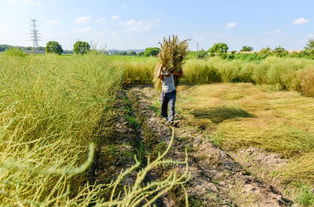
48,110
267,116
132,121
295,74
306,197
137,70
50,107
219,114
243,115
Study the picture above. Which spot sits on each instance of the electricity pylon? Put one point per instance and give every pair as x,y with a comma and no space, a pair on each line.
35,35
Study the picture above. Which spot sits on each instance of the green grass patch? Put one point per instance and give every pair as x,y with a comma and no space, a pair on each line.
132,121
306,196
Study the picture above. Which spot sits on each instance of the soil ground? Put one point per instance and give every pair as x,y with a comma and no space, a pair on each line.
217,179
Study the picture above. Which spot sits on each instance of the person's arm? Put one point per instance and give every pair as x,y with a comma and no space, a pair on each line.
159,72
178,73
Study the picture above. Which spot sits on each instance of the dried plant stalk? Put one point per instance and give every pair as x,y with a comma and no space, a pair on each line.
171,56
173,53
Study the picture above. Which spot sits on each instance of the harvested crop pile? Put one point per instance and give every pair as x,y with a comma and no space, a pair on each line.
171,56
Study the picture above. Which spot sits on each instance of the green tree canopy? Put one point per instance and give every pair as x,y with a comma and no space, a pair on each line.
310,45
54,47
4,47
140,53
219,48
15,51
151,51
309,49
123,53
246,49
202,54
132,53
280,52
81,47
265,51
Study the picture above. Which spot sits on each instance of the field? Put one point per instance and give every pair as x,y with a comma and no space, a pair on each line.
50,107
283,73
63,115
242,118
56,112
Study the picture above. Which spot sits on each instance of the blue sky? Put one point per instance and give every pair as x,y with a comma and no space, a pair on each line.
139,24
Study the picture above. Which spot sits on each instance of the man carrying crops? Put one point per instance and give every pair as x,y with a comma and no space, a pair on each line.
168,93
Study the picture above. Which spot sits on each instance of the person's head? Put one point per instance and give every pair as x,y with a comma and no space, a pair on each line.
163,68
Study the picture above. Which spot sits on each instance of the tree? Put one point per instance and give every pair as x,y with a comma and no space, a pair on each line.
310,45
202,54
151,51
309,49
4,47
81,47
54,47
140,53
265,51
123,53
280,52
15,51
246,49
132,53
219,48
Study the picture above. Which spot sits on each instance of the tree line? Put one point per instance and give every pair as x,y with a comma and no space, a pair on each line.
82,47
221,49
218,49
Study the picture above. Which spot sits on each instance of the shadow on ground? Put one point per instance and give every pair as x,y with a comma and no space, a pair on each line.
219,114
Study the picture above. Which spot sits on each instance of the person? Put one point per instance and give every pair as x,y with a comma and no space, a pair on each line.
168,93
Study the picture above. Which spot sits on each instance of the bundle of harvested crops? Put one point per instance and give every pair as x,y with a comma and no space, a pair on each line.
173,53
171,56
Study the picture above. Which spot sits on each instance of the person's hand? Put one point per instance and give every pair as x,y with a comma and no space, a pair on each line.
160,68
159,73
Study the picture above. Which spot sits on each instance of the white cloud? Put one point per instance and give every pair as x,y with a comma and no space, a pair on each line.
139,25
83,19
82,30
311,35
231,25
115,17
300,21
129,22
101,20
54,21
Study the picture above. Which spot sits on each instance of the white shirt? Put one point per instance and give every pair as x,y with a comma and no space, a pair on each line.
168,84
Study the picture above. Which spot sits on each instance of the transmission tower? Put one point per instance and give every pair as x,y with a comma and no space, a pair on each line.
35,35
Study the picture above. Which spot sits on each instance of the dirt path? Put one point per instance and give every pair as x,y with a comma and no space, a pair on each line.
217,180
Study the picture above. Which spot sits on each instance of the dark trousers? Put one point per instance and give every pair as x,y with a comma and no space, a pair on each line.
168,101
